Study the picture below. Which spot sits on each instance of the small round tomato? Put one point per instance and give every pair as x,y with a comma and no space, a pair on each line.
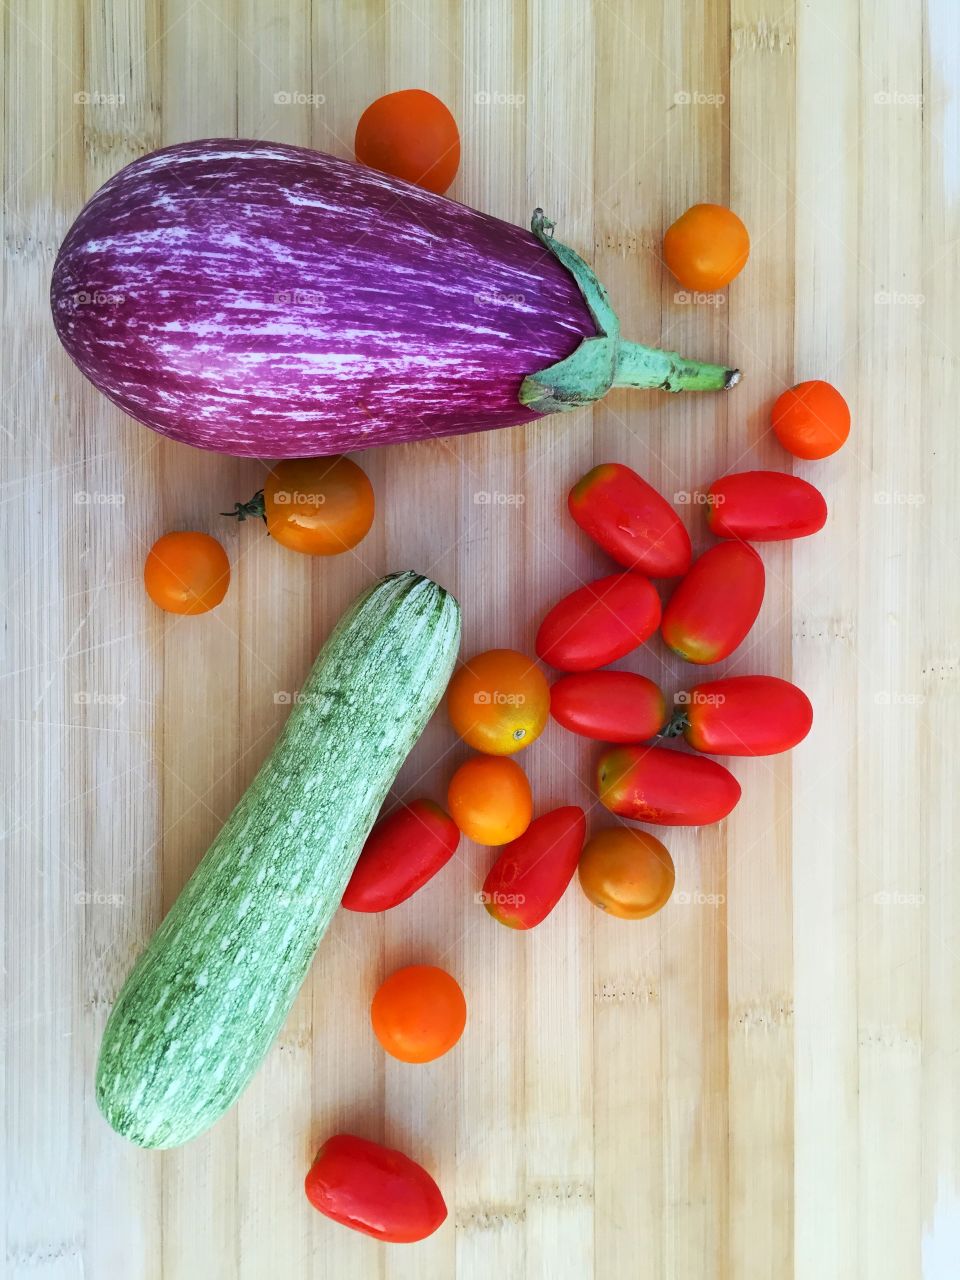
811,420
320,506
411,135
418,1013
186,572
489,799
499,701
706,247
626,873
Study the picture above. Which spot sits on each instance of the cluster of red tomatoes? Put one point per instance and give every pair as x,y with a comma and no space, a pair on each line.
499,702
706,618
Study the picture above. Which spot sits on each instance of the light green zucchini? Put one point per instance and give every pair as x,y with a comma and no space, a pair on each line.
205,1001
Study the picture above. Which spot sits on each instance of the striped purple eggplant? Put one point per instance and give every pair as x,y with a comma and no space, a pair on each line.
266,300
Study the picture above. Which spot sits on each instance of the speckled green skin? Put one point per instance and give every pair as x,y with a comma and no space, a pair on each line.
205,1001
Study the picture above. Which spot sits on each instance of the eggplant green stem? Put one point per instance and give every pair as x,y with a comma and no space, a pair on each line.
607,360
639,366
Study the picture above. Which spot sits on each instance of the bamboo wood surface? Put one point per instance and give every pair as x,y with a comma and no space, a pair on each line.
761,1081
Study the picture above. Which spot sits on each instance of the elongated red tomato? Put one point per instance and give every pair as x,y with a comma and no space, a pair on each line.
374,1189
669,788
764,506
599,623
716,604
529,878
402,852
631,521
744,716
613,706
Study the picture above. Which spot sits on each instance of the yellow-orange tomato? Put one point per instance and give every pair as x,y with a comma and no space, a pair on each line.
418,1013
489,799
706,247
412,135
186,572
811,420
627,873
320,506
499,701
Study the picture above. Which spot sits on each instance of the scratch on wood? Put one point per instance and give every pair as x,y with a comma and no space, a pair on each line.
639,991
763,1015
44,1255
761,37
626,243
489,1217
559,1191
891,1038
819,629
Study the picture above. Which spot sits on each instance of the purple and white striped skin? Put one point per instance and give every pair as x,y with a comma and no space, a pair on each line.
266,300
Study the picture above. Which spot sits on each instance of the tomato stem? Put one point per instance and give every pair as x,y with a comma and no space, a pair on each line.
675,727
248,510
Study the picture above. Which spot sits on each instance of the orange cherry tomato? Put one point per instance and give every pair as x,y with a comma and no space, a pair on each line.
706,247
489,799
411,135
320,506
627,873
418,1013
812,419
186,572
499,701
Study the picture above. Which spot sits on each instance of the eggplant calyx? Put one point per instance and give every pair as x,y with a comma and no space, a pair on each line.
588,373
607,360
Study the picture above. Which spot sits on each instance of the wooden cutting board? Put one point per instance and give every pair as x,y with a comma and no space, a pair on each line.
761,1081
